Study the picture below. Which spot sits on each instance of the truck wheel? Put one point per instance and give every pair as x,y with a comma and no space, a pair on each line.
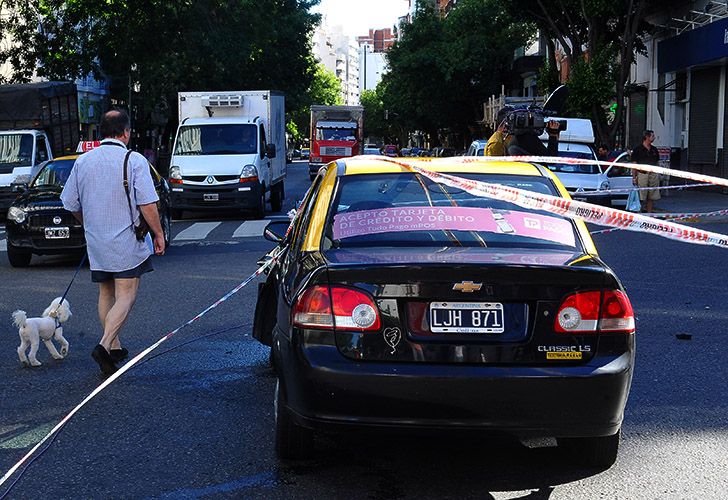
293,442
18,257
260,209
276,197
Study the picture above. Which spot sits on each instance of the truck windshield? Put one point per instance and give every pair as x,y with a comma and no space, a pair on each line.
54,174
16,150
336,134
219,139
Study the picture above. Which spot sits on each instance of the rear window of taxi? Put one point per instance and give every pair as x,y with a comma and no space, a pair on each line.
407,209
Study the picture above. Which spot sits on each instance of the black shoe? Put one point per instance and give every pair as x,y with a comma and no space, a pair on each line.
103,358
119,355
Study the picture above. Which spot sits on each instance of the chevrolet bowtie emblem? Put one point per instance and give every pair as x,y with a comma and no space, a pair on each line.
467,286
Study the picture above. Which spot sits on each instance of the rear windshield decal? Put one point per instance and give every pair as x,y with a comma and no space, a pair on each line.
424,218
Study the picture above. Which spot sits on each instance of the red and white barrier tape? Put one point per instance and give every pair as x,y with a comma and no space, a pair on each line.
275,254
587,212
635,188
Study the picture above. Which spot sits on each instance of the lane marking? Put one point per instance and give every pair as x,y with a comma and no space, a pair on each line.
197,231
251,228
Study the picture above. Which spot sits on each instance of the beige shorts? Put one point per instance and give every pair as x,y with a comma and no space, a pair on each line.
649,179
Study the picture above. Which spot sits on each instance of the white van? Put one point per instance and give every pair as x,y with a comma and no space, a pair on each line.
588,182
229,152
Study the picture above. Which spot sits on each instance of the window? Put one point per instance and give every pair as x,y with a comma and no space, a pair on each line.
263,142
223,139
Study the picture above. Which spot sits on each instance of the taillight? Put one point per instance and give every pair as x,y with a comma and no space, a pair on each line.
340,307
589,312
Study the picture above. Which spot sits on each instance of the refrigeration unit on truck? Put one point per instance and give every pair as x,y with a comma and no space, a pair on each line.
229,152
336,132
36,121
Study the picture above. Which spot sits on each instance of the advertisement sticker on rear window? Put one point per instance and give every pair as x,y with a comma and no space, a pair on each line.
453,218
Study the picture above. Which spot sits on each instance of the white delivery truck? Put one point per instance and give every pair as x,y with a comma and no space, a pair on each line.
229,152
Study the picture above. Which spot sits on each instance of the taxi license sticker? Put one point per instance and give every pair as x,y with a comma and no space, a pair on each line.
563,355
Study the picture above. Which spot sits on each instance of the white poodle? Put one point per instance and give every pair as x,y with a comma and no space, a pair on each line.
33,330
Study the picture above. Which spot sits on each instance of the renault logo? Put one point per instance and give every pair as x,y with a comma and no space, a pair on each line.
56,220
210,179
467,286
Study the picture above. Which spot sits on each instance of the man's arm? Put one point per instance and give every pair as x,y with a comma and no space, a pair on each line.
151,215
79,216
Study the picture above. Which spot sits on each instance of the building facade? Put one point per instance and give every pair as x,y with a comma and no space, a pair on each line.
340,54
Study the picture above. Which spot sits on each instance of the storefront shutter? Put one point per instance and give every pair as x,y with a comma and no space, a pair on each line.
704,86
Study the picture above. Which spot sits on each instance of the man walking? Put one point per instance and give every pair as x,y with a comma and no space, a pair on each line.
96,195
647,154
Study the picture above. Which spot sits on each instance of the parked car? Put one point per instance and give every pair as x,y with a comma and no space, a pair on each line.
372,151
588,182
37,223
391,150
305,153
388,309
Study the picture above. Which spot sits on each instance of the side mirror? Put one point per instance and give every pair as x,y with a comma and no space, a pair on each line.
19,188
276,231
270,150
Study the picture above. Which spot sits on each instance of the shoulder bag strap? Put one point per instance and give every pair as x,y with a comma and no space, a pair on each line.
126,185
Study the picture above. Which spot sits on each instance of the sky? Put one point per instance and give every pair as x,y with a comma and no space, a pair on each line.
358,16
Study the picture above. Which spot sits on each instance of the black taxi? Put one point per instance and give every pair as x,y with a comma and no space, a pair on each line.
402,302
38,224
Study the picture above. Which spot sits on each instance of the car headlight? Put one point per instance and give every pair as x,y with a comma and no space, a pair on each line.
248,172
17,215
174,173
604,186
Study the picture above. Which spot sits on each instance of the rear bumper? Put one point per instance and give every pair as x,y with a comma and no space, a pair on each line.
325,390
245,196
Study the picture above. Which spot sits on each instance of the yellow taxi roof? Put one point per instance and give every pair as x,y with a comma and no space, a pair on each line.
72,156
371,165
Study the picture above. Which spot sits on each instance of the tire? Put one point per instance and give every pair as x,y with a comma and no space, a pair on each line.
293,442
18,257
175,213
594,452
259,212
276,197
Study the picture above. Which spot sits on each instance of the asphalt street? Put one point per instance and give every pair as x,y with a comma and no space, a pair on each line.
197,421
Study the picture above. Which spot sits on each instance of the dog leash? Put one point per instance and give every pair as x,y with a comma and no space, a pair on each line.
63,297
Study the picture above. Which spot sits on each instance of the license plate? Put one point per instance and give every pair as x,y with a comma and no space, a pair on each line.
211,197
57,233
466,317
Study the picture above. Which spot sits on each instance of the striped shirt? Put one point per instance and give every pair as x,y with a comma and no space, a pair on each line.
96,188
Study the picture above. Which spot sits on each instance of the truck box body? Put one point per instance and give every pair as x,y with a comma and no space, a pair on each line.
336,132
222,156
37,120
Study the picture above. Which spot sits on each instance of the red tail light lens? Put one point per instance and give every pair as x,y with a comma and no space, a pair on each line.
617,314
589,312
352,309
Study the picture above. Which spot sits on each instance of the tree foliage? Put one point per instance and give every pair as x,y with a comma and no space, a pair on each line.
442,70
164,47
324,89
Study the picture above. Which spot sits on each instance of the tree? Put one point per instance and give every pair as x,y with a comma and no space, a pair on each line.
164,47
443,70
600,39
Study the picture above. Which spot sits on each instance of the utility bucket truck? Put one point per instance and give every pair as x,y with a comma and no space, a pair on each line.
229,152
336,132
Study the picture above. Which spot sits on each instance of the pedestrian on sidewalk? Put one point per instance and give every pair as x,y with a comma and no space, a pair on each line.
95,193
647,154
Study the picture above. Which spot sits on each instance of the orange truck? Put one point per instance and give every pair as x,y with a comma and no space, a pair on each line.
336,132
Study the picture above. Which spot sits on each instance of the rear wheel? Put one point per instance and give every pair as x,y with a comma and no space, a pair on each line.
260,209
594,451
167,228
18,257
293,442
277,195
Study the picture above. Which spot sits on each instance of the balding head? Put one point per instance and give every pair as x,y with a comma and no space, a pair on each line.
114,124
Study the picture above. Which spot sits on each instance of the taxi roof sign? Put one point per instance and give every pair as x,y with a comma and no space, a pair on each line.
85,146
